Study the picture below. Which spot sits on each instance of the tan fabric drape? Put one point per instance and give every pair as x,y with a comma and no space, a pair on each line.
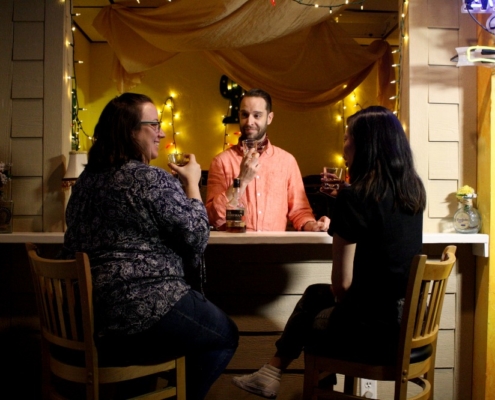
297,53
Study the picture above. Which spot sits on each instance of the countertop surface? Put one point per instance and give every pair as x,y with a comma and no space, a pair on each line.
479,241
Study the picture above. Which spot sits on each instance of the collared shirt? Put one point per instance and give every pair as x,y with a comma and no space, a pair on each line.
273,196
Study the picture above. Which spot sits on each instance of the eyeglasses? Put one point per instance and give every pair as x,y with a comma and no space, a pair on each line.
155,125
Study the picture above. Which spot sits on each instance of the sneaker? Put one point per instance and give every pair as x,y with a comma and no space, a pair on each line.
265,382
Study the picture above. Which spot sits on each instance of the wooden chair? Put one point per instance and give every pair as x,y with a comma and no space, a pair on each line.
417,343
65,305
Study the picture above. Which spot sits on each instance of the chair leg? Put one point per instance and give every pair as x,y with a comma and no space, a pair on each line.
181,378
310,378
45,370
430,376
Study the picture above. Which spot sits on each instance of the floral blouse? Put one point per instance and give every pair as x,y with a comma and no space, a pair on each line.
140,232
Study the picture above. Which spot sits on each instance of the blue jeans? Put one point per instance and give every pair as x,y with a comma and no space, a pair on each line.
205,334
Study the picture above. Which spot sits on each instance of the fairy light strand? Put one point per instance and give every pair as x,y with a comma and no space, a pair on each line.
77,125
404,8
169,102
328,6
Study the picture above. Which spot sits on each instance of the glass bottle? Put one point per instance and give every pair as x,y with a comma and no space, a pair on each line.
467,219
236,221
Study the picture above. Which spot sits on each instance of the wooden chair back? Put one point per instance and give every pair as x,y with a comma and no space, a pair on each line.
64,299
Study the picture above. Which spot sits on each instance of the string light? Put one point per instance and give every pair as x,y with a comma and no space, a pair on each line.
330,7
169,102
77,126
403,38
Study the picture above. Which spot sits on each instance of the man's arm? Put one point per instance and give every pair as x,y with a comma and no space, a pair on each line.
217,190
300,211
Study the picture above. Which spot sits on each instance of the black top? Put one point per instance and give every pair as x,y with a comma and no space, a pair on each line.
386,240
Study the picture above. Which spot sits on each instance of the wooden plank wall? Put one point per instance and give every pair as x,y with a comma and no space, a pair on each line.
258,287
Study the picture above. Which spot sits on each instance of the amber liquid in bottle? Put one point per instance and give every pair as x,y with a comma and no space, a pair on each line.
236,221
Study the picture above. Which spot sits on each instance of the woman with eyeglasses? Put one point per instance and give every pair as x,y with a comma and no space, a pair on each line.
145,236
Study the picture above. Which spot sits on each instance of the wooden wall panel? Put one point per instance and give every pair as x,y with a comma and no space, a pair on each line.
443,122
441,201
26,193
443,85
28,223
29,10
27,80
440,45
27,118
442,14
28,41
27,157
443,160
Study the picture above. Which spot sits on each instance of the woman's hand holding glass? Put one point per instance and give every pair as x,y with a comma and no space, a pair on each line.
332,180
189,171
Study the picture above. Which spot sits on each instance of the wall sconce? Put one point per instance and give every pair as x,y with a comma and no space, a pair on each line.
77,162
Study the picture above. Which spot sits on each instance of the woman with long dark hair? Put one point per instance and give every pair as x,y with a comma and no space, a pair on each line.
377,230
143,232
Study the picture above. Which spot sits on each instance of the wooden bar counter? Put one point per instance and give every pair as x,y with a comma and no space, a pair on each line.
257,278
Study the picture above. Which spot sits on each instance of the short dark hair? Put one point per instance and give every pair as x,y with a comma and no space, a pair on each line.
260,93
114,143
383,159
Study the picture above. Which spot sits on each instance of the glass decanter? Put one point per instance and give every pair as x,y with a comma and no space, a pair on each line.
467,219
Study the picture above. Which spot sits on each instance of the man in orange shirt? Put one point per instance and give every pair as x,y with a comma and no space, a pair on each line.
272,189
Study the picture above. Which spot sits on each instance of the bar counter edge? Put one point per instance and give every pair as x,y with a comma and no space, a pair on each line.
479,241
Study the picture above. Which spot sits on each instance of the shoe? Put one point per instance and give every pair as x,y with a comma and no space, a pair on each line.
265,382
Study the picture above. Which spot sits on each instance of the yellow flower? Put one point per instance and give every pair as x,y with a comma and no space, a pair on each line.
465,192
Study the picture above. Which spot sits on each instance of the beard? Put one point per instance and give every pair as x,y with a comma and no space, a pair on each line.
252,135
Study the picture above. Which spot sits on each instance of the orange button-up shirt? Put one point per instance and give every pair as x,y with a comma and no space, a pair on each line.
273,196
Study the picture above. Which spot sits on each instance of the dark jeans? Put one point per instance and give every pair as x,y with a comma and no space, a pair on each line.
311,313
194,327
205,334
320,326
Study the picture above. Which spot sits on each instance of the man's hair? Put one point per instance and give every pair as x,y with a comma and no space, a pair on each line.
114,141
260,93
383,159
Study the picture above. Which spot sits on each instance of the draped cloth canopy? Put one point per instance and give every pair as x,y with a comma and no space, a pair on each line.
298,54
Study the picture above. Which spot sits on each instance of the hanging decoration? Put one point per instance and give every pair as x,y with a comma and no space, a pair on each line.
233,92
